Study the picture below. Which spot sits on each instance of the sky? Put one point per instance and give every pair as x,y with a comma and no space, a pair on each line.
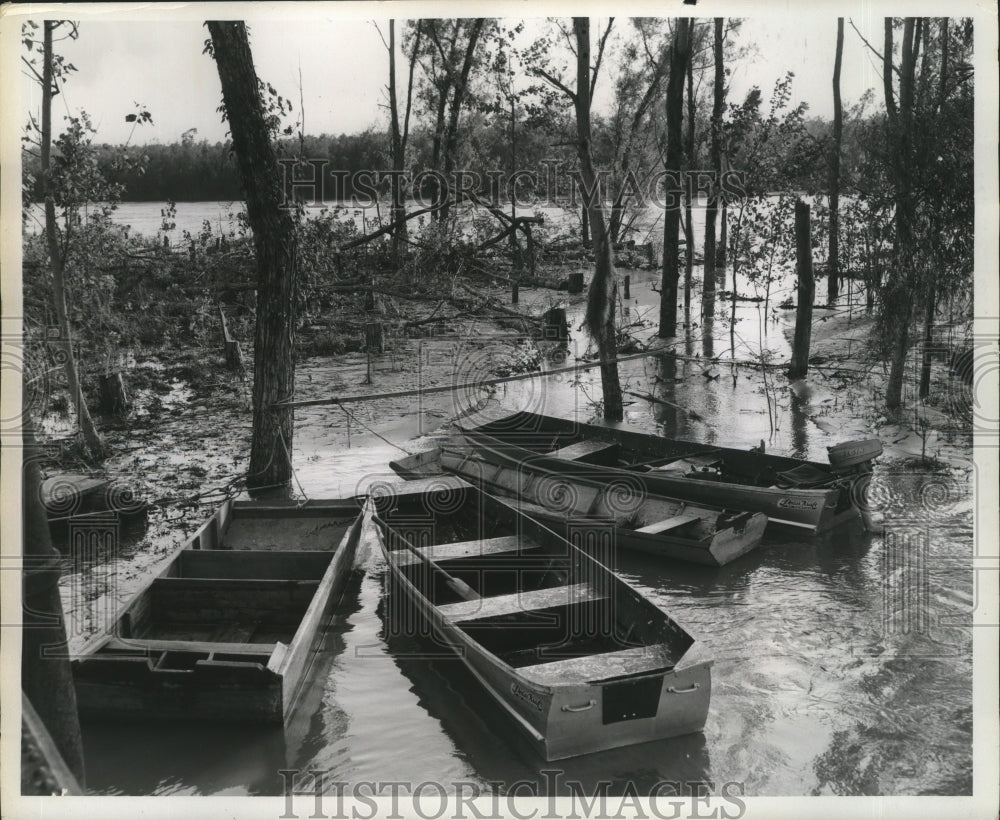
343,63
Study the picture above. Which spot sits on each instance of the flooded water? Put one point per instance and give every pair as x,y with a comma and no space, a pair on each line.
843,664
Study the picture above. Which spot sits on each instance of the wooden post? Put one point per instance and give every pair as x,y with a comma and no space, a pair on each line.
231,347
114,397
531,249
626,283
513,290
806,292
374,338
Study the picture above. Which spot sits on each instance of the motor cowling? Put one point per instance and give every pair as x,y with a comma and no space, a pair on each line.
854,457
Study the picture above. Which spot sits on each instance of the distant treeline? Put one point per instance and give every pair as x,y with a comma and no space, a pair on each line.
190,171
200,171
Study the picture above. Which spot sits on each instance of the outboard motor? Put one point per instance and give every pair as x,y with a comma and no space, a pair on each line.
852,461
854,457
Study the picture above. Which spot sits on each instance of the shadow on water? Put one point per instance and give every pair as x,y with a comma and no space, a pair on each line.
183,759
485,736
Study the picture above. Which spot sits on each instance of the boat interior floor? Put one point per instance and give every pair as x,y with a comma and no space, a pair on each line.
530,611
286,532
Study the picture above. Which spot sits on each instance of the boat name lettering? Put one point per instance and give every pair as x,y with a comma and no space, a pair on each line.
797,503
524,694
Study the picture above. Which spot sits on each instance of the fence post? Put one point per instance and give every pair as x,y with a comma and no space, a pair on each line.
806,292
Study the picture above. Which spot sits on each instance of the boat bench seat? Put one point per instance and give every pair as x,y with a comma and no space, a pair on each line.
480,548
669,524
804,476
589,452
519,602
631,661
151,645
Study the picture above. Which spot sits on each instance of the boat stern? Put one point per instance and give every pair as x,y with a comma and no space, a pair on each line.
736,535
609,714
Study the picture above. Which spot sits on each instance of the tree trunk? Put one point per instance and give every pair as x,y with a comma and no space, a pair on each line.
274,241
91,438
585,225
602,297
689,164
451,130
721,250
114,396
680,49
399,234
900,281
712,211
925,366
833,259
46,676
806,293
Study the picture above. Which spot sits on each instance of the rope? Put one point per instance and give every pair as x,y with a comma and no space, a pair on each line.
375,433
295,475
398,394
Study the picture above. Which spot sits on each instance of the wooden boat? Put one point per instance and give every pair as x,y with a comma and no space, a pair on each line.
228,630
578,659
81,508
574,504
790,491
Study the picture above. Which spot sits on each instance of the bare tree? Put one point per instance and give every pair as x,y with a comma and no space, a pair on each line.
603,293
399,136
679,57
833,257
712,210
897,300
91,438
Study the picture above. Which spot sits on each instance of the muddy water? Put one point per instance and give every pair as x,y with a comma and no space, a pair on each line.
843,664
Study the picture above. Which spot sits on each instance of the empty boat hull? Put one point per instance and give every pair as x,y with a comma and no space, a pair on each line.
575,506
226,634
568,707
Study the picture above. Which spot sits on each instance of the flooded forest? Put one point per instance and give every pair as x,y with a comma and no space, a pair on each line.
624,222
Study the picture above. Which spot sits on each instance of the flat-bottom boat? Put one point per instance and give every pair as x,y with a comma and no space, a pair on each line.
574,504
789,491
575,656
228,630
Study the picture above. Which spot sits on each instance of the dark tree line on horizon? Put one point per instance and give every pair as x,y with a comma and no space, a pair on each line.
192,170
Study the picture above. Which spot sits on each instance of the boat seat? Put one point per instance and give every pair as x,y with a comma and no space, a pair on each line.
480,548
589,452
500,605
803,477
149,645
624,662
669,524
